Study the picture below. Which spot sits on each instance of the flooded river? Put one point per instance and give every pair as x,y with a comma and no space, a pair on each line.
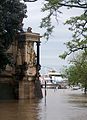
60,104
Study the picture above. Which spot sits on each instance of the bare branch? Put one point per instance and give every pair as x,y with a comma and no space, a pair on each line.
76,6
30,0
76,49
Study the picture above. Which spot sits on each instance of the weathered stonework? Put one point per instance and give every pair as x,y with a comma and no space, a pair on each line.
25,74
26,89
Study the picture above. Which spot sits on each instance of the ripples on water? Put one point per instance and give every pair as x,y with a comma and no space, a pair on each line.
57,105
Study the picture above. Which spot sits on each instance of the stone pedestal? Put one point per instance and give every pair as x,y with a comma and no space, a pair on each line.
29,86
38,91
30,89
26,89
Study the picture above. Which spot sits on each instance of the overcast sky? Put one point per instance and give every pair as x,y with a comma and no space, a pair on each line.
51,49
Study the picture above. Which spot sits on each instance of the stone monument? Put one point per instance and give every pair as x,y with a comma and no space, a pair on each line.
25,73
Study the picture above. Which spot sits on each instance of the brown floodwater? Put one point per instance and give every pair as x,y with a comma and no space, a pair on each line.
60,104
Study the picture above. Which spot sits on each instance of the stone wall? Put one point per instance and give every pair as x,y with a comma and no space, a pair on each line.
22,76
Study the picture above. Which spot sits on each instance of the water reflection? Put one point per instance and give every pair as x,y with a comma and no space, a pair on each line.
56,105
80,100
65,105
19,110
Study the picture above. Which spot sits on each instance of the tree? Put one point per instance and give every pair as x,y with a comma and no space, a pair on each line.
52,7
79,28
71,74
12,13
77,71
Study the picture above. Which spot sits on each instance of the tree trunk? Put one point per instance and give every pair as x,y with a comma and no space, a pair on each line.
85,90
85,87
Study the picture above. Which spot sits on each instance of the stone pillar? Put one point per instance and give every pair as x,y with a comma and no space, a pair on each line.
29,86
26,52
38,91
26,89
38,53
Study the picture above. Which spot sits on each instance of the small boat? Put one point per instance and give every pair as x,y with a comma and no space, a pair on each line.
75,88
53,80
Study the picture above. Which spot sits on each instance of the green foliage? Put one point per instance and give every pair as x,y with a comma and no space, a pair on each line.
47,24
5,59
72,75
12,13
78,25
77,71
63,56
52,8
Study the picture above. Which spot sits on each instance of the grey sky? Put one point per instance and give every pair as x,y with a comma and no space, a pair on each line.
51,49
